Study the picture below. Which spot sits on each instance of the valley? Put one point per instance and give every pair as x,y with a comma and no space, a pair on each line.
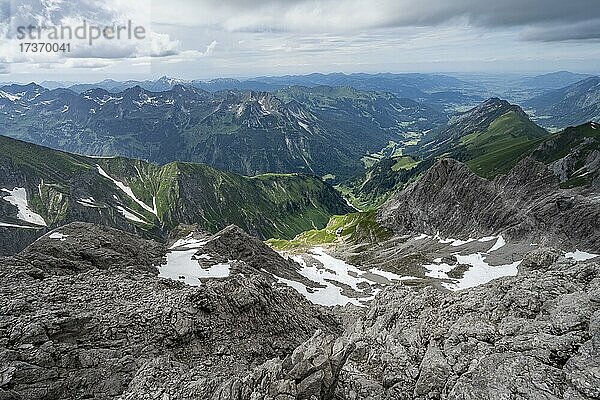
326,236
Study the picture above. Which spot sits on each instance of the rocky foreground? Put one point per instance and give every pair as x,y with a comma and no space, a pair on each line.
83,314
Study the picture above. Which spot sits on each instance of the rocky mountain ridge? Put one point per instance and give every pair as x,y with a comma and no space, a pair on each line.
527,203
116,330
43,188
260,132
571,105
112,329
442,91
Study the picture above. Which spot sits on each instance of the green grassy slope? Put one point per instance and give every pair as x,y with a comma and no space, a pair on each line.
359,227
272,205
497,149
574,149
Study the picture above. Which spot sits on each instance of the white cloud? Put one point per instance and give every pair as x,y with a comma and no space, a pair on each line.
86,63
75,15
161,45
243,38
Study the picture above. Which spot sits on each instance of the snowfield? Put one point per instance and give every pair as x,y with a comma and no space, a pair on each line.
182,263
478,273
18,197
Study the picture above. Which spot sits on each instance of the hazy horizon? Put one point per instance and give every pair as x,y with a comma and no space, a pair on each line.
455,74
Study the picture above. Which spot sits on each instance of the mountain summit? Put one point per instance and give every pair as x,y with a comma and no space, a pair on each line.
491,137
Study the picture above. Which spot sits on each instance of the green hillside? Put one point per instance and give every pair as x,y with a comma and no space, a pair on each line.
575,152
498,148
152,199
359,227
490,139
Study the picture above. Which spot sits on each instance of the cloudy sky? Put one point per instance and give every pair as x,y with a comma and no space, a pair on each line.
202,39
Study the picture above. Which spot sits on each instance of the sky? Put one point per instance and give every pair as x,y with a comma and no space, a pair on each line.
206,39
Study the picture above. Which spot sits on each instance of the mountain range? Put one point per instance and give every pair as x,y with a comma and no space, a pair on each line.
43,188
568,106
471,270
442,91
553,80
491,139
321,131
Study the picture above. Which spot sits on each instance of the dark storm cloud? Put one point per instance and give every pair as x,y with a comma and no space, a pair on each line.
347,15
579,31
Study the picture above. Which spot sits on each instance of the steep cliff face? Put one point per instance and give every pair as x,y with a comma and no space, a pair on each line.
527,203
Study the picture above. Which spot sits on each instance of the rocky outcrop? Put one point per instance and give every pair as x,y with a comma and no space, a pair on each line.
109,330
232,243
87,317
310,372
527,203
534,336
81,246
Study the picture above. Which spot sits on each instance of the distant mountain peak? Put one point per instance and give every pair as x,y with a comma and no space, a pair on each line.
29,87
482,115
171,81
474,135
571,105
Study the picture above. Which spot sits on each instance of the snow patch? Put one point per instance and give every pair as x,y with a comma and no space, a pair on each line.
58,236
18,197
458,242
130,216
188,242
88,202
127,190
454,242
578,255
304,126
500,242
333,276
479,272
6,225
10,96
390,276
183,266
